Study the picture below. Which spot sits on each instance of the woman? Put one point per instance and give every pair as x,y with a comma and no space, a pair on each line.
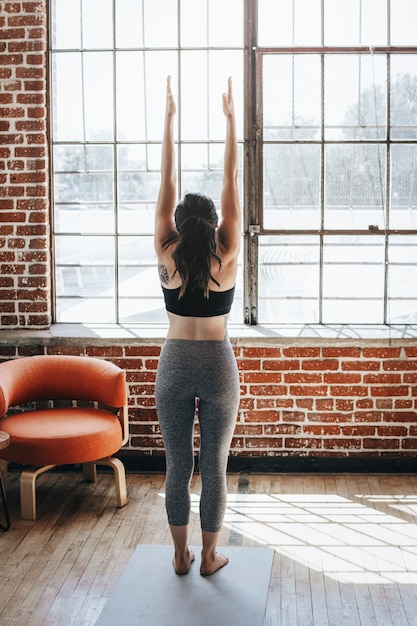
197,261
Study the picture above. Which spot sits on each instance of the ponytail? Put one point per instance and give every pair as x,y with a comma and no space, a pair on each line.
196,221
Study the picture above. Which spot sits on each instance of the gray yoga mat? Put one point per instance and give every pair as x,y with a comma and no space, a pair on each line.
149,593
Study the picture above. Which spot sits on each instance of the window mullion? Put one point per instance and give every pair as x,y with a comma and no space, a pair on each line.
252,165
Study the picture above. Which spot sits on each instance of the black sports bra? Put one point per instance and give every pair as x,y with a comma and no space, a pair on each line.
194,304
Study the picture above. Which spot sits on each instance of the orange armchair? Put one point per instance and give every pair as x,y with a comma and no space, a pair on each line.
77,414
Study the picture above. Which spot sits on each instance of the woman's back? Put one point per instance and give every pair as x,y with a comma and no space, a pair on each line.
195,254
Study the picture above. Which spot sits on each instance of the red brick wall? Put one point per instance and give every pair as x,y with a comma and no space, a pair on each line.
321,401
24,206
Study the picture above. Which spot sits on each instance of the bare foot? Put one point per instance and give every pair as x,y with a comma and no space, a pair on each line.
182,564
211,565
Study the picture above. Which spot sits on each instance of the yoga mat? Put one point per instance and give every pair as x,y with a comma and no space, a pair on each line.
149,593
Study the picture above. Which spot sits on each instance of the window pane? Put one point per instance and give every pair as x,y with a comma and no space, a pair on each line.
225,23
85,279
403,212
129,24
356,22
98,95
355,97
130,96
289,22
355,186
97,16
67,104
291,186
222,64
83,96
193,12
158,65
137,190
288,280
353,280
403,22
208,180
65,24
194,117
296,113
402,280
161,24
403,96
83,190
85,310
139,289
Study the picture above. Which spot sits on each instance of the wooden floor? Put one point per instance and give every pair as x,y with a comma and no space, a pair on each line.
345,546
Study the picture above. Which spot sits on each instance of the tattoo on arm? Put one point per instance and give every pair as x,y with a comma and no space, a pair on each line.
163,274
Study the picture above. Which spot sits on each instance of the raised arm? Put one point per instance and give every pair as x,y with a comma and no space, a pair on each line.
230,227
164,215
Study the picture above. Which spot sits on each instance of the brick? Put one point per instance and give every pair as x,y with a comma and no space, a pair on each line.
304,403
392,431
324,430
355,430
402,364
410,443
300,352
382,379
262,353
360,366
342,379
326,404
348,390
383,403
303,442
399,416
329,417
344,405
403,404
303,378
281,429
261,377
381,353
249,364
391,444
305,390
263,442
249,429
280,364
338,352
322,365
342,443
104,351
400,390
268,390
293,416
142,351
261,416
367,416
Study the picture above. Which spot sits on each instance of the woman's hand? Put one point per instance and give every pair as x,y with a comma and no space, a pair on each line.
171,107
228,108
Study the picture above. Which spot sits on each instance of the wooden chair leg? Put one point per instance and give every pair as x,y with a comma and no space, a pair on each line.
90,472
120,476
28,491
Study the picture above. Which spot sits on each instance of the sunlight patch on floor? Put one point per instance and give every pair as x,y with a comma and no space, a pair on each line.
352,541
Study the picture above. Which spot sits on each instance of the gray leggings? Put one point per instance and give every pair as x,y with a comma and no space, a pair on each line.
191,371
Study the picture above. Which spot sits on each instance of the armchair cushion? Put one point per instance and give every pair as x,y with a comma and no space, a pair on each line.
61,436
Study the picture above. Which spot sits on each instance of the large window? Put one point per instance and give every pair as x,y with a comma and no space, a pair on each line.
326,94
